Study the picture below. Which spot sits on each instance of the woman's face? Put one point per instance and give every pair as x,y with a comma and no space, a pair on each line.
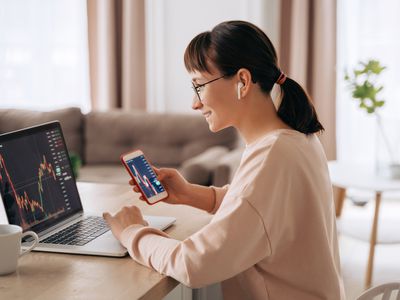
217,99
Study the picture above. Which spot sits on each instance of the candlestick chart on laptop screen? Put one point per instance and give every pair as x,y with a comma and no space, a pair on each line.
36,180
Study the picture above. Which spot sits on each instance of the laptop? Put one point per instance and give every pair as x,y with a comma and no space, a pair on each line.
39,193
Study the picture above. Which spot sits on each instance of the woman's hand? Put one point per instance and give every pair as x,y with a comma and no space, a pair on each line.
176,186
128,215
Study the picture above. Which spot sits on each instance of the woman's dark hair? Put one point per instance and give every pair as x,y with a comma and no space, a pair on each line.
233,45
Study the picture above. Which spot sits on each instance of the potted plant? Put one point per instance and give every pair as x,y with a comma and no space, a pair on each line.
363,84
76,163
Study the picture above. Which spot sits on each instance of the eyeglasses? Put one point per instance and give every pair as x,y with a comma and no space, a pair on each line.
198,88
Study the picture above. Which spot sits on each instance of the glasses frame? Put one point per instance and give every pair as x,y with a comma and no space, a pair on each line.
197,87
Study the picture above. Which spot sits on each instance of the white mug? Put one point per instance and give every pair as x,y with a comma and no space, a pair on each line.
10,247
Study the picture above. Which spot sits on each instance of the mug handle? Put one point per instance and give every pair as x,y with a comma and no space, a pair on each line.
34,244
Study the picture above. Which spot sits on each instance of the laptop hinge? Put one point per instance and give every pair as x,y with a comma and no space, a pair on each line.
61,224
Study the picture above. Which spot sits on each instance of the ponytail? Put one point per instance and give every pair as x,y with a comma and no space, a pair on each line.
296,108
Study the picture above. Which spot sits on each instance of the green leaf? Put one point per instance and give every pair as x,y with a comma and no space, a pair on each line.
366,90
380,103
374,66
359,72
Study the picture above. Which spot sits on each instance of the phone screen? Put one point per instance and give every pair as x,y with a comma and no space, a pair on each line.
145,176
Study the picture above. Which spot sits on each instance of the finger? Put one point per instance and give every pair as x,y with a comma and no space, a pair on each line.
131,182
106,216
161,176
161,173
136,189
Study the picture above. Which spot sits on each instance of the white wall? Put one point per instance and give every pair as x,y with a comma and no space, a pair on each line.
172,24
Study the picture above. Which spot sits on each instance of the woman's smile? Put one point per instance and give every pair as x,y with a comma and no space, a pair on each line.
207,114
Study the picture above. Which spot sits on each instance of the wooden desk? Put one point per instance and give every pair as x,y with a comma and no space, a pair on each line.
344,176
62,276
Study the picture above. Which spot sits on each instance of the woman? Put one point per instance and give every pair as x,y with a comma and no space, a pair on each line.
273,233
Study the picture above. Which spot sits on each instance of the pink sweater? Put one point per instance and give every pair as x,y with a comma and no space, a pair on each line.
273,235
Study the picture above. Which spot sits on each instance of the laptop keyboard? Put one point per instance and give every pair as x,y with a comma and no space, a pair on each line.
79,233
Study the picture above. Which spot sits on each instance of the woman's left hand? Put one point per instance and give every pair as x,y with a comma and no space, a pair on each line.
128,215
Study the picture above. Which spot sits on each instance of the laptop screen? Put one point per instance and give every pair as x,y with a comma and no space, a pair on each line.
36,181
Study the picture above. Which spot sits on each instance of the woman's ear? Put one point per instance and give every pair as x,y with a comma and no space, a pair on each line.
243,83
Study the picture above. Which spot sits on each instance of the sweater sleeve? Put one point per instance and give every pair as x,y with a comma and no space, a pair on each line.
232,242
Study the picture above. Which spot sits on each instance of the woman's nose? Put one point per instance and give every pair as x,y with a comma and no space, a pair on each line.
196,103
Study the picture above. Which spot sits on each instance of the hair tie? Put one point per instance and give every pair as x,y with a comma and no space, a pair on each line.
281,79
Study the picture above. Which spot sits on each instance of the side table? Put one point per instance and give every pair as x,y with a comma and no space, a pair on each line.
346,175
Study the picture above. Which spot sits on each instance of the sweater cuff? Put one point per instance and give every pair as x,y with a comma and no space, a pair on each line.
130,237
128,233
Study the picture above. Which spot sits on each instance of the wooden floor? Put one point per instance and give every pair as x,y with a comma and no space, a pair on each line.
354,224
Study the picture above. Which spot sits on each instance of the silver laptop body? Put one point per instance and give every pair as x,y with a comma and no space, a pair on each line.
39,193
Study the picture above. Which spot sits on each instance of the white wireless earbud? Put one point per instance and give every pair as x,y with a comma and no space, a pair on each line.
239,86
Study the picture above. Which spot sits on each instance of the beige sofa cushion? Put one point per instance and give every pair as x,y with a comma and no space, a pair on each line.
199,169
70,119
166,139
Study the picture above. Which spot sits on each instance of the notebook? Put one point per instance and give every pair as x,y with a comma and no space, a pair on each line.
39,193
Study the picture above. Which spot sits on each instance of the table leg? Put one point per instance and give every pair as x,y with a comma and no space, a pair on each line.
374,233
339,201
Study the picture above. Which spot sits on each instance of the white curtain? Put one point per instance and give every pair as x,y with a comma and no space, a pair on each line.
44,54
367,29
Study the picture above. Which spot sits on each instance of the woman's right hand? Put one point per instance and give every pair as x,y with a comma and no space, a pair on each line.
175,184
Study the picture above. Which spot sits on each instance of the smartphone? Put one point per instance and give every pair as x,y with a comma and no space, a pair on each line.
144,176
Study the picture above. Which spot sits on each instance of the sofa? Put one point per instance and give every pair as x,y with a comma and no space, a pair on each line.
181,141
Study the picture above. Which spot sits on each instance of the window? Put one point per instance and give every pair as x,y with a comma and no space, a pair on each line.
367,29
44,54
